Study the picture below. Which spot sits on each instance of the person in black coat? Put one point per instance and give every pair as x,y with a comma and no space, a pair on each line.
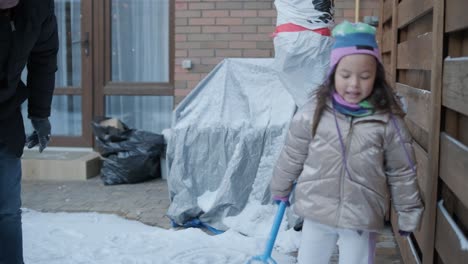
28,38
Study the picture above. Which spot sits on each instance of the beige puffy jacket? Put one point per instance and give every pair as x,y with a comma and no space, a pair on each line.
376,163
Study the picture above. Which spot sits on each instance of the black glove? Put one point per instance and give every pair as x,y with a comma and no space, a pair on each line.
41,134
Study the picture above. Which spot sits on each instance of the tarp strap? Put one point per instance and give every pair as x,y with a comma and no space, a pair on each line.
290,27
196,223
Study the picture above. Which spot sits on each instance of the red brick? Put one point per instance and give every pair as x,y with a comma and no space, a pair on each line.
180,84
180,6
192,84
180,37
211,61
257,21
215,29
243,13
188,29
178,61
243,29
258,37
338,12
215,13
345,5
181,21
242,45
181,53
267,13
348,12
178,99
228,36
201,68
228,53
228,21
228,5
187,45
258,5
201,53
200,37
264,44
214,44
256,53
187,76
201,21
188,13
266,29
370,4
199,6
178,68
182,92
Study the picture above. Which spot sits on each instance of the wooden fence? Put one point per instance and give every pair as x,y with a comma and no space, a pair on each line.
424,46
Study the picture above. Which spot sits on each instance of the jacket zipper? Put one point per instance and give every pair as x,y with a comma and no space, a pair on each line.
343,175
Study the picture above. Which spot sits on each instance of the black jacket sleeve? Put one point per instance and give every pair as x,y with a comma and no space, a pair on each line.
42,65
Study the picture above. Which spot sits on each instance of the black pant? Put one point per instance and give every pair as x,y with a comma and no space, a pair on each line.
11,241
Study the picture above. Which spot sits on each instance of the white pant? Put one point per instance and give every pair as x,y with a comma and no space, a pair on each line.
318,243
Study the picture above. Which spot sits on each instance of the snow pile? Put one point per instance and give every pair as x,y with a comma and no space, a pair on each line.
92,238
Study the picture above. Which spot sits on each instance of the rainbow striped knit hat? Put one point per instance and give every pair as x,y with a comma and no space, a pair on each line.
353,38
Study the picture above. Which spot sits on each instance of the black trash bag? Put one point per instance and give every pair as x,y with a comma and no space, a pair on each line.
130,156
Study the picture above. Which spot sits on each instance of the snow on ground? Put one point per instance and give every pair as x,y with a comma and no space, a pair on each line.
92,238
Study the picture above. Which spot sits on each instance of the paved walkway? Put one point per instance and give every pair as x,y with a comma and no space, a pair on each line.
146,202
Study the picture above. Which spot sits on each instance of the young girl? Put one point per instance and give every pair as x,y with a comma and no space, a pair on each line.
347,150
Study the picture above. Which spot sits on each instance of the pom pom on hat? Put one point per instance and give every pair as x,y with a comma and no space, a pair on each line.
353,38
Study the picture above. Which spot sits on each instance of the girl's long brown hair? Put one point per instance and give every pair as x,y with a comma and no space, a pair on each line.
382,96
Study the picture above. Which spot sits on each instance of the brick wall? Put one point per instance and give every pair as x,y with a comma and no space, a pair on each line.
207,31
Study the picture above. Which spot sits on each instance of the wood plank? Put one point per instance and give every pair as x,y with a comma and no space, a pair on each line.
387,40
455,16
450,242
454,166
410,10
418,134
454,206
416,53
451,122
387,10
380,25
415,78
419,27
434,131
417,104
422,164
463,132
455,89
457,44
393,55
407,251
425,185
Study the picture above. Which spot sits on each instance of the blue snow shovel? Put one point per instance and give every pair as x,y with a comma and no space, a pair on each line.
266,257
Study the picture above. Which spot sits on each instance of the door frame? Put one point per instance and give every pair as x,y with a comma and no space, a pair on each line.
85,91
96,81
102,82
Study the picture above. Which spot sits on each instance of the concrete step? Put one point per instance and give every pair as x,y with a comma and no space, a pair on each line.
60,164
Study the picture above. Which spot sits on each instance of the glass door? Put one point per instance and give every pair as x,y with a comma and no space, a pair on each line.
135,83
115,59
72,103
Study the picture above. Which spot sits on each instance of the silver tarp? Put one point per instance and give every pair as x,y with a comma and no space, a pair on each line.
226,136
301,59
